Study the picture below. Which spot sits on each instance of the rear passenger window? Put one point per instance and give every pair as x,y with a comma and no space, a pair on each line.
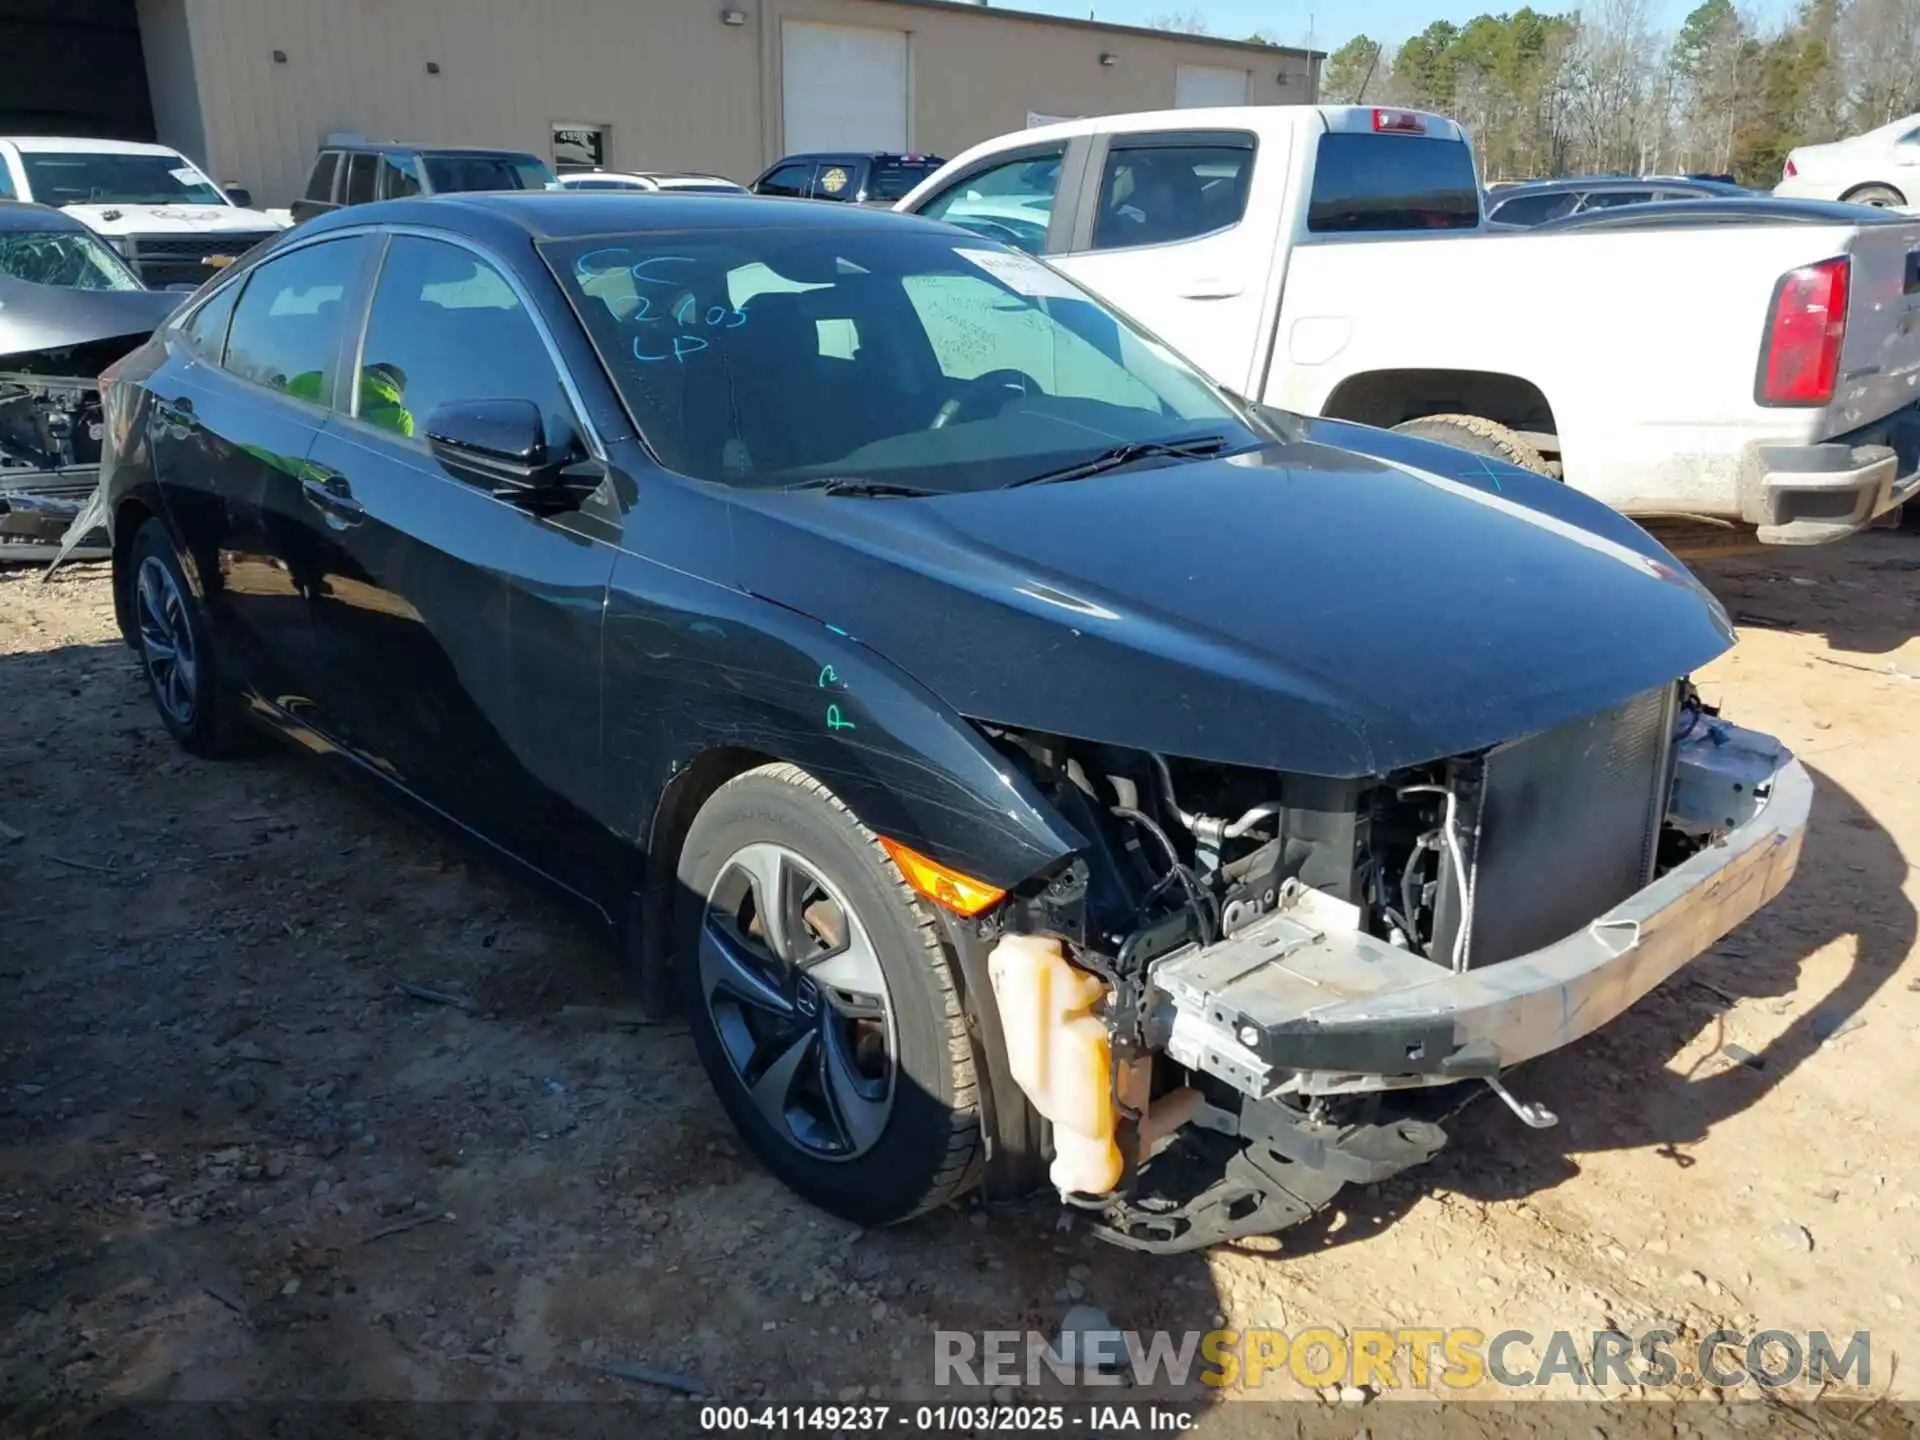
1367,181
1533,209
1156,192
320,184
446,326
1614,199
206,330
360,170
286,328
836,180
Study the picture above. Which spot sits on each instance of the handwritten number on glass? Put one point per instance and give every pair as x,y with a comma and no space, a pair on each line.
686,314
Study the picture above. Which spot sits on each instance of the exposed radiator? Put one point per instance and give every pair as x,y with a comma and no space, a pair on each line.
1561,827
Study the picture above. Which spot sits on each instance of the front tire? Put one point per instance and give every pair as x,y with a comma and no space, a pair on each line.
183,674
822,1002
1480,436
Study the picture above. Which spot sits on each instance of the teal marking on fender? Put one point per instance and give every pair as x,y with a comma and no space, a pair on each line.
836,721
828,676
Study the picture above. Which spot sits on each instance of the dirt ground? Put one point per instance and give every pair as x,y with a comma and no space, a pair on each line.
237,1159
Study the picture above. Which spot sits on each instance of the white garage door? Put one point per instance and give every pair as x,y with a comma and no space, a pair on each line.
1195,85
844,88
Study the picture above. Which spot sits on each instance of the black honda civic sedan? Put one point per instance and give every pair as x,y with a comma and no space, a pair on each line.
943,692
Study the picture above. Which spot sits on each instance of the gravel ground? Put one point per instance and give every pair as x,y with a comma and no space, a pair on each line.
238,1158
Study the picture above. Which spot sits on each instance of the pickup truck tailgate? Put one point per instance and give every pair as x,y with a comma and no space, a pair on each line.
1880,356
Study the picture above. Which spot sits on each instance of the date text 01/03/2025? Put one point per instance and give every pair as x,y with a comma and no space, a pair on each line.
956,1419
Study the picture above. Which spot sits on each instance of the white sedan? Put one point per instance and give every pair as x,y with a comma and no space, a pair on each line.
1881,167
680,184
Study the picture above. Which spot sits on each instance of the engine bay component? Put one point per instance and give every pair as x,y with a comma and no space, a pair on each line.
1061,1055
50,437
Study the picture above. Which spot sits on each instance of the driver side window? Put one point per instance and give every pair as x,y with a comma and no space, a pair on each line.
1011,202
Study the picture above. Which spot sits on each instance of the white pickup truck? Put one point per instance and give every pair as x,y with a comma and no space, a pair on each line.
1760,378
160,211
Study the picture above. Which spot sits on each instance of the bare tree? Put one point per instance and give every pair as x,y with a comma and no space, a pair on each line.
1608,74
1879,41
1184,22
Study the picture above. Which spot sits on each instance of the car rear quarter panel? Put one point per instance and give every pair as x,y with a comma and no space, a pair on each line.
1650,384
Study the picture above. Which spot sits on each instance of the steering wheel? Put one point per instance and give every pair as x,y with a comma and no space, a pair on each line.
995,230
974,394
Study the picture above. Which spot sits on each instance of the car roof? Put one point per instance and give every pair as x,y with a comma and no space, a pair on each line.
1725,209
1604,183
577,214
41,144
702,175
395,147
20,216
846,155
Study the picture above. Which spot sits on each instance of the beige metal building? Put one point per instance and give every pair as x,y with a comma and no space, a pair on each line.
250,87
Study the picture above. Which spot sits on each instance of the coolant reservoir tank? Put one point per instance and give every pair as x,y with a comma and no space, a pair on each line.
1060,1055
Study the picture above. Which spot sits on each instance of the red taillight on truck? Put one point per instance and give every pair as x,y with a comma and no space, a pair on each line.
1800,363
1399,122
1789,170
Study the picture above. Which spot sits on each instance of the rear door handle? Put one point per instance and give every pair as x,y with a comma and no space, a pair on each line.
329,492
1211,288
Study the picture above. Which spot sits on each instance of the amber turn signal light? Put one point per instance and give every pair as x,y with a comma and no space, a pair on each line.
946,887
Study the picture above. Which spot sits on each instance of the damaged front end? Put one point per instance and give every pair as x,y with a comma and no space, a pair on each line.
50,433
54,344
1253,988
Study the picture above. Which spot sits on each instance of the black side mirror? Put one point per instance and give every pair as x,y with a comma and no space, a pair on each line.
241,196
502,445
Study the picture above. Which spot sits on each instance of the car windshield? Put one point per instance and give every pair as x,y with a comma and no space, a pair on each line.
766,358
86,177
486,172
64,259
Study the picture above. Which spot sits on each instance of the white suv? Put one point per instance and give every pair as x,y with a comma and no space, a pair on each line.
153,205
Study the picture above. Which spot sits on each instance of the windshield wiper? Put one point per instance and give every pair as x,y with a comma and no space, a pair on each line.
1195,448
863,489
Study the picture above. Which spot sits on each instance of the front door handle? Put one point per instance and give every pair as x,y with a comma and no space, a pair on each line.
329,492
175,414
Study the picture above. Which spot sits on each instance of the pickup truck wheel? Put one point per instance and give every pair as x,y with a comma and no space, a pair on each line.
1482,437
823,1003
1884,196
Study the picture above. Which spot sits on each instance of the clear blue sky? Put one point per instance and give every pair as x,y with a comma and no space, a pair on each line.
1334,21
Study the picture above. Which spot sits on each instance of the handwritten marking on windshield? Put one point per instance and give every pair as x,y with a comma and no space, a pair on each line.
686,311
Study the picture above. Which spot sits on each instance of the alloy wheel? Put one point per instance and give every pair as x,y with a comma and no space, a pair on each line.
166,640
799,1001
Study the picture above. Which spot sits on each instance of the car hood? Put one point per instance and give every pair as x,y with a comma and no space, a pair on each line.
171,219
1308,608
36,318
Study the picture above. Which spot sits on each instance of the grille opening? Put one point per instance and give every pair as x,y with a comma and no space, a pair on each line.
1558,828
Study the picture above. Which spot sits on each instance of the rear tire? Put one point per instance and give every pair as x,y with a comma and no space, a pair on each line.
1884,196
1480,436
834,1035
190,691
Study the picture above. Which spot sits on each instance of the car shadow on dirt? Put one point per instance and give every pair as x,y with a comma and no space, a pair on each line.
1625,1087
1863,594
